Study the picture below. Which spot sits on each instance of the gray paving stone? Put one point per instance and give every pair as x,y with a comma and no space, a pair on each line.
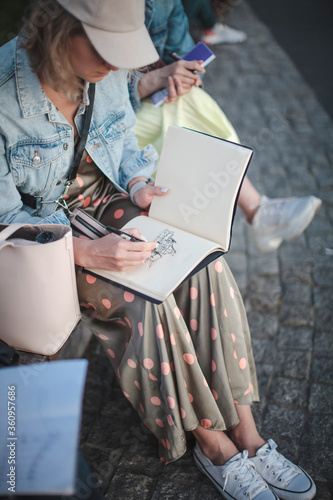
130,486
321,399
322,370
293,363
280,421
263,325
294,338
323,344
167,490
288,391
318,431
297,314
263,350
300,293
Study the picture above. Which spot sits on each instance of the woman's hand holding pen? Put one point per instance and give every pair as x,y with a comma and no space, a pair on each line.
112,252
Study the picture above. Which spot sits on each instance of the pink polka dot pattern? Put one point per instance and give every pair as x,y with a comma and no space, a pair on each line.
177,312
205,382
194,324
140,328
128,297
172,339
172,366
191,397
142,408
128,322
90,279
232,293
106,303
213,366
213,334
218,267
155,400
159,422
111,353
242,363
188,337
160,331
89,159
170,420
206,423
225,313
171,402
233,337
165,367
212,300
92,305
97,202
167,444
131,363
125,394
215,395
86,202
193,292
137,384
235,355
105,199
103,337
79,181
118,213
188,358
152,377
182,412
148,363
185,383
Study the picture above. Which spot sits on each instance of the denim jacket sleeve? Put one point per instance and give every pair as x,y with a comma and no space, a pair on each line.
168,27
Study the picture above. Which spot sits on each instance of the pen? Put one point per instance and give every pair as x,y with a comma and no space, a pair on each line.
122,234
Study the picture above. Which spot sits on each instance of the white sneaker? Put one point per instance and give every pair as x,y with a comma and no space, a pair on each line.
236,479
279,219
220,33
287,480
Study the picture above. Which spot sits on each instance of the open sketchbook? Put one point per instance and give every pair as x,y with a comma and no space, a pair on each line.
192,223
40,416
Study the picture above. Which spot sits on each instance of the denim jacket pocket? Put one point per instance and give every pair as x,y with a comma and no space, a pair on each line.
33,164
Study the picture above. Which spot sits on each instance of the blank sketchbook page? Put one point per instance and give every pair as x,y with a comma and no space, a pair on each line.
203,174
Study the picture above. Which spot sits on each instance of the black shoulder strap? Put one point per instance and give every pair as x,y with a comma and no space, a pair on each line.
82,143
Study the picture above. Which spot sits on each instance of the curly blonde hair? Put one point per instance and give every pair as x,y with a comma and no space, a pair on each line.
47,33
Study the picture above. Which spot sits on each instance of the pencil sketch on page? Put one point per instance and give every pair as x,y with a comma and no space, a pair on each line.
165,246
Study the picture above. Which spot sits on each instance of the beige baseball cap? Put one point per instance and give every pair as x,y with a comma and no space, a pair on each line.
116,29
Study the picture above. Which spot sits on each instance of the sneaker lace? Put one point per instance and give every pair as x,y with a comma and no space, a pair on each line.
273,208
244,471
281,467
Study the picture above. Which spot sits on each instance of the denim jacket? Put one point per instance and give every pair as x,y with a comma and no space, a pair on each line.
37,142
168,27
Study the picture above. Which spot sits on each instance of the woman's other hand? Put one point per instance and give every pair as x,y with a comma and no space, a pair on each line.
112,252
145,195
181,73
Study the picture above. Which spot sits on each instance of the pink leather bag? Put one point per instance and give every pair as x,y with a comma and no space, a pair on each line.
38,296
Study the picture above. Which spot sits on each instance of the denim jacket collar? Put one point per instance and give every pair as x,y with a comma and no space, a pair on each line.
28,84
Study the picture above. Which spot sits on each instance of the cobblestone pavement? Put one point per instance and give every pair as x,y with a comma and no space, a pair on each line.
288,293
